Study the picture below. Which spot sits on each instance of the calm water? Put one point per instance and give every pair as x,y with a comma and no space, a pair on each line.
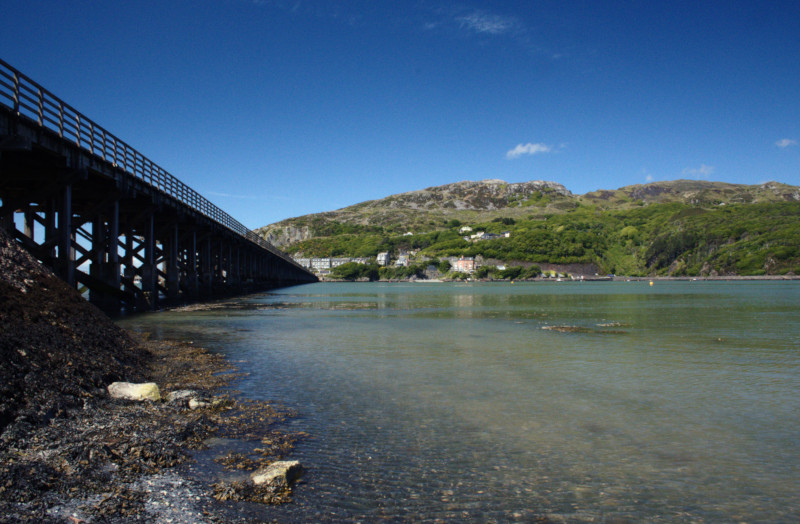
676,402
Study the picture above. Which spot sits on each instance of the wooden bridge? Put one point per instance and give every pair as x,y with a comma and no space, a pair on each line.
108,220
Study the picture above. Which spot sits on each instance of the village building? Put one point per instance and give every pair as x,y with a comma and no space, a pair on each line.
305,262
464,265
318,264
336,262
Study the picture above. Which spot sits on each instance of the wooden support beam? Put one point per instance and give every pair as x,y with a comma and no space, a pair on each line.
193,282
149,273
172,273
66,254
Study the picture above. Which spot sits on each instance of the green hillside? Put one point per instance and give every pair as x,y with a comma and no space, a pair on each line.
666,228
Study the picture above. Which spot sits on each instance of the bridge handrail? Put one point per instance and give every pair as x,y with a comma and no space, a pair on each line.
27,98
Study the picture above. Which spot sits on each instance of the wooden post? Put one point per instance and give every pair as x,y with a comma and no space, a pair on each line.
113,276
173,275
149,273
29,230
192,269
98,258
66,254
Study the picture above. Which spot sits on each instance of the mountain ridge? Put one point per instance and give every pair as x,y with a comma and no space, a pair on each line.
468,201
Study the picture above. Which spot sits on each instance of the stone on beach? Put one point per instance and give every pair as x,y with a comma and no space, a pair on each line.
182,395
278,475
132,391
195,403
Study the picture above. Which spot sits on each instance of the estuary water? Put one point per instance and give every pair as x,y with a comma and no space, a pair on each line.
480,402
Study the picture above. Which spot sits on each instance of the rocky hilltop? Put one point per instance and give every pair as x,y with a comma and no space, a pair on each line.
697,192
416,209
485,195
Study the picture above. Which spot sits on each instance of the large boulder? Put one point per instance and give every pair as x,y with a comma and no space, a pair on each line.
131,391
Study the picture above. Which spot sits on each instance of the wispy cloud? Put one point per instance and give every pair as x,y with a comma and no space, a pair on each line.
488,23
703,171
230,195
528,149
649,178
785,142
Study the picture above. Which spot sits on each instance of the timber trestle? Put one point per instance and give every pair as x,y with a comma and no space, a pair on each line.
109,221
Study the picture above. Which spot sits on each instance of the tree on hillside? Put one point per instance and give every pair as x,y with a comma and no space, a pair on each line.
354,271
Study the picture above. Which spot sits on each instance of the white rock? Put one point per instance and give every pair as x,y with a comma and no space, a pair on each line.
131,391
195,403
279,474
181,395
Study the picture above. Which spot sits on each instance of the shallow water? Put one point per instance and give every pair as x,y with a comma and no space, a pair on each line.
501,402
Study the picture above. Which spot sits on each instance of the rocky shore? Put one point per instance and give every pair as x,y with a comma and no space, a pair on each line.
71,452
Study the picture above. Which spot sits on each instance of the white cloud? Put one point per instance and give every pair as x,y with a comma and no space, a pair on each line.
528,149
649,178
703,171
786,142
482,22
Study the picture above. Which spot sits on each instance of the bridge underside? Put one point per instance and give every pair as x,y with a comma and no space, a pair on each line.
129,245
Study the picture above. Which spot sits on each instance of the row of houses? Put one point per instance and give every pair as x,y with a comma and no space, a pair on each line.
319,264
325,264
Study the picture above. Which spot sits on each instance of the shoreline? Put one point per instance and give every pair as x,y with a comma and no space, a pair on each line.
70,452
115,460
593,278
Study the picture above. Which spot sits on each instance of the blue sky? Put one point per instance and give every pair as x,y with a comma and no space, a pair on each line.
273,109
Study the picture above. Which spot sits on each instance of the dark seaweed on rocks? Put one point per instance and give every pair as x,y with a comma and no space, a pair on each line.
53,341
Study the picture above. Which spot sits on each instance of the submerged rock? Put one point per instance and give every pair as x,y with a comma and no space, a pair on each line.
269,485
131,391
279,475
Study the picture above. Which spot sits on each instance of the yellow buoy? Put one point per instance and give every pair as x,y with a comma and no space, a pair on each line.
651,282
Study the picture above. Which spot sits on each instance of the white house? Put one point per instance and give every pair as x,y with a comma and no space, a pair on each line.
336,262
319,264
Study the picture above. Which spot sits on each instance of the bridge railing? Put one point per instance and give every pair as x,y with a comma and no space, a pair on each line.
28,99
